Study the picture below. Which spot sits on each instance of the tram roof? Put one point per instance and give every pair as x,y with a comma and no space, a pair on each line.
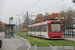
43,23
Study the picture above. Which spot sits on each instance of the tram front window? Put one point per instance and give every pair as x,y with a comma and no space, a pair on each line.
55,27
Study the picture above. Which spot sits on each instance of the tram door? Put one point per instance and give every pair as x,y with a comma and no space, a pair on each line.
49,30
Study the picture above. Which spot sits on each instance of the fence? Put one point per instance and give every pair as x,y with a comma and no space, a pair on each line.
67,31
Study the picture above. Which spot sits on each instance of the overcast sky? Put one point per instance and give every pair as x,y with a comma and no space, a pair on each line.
10,8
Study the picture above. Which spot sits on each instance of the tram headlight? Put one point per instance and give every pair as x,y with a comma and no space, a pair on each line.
59,34
52,35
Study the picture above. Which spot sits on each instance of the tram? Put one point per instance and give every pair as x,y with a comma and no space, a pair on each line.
50,29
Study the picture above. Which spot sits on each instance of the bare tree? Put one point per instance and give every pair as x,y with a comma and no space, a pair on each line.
25,22
70,14
46,16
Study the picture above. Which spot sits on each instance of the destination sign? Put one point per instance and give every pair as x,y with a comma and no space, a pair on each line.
55,22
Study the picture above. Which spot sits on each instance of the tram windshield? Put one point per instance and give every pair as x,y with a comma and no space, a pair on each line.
55,26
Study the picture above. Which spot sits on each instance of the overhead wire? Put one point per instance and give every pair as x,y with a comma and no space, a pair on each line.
43,6
30,4
34,4
51,6
46,5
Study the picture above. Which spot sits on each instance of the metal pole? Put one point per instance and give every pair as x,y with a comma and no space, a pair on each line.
16,26
9,20
27,23
72,30
59,16
19,25
31,19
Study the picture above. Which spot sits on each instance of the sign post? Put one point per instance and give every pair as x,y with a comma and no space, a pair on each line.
10,19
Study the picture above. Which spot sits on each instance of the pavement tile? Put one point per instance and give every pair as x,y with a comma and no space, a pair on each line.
13,44
22,48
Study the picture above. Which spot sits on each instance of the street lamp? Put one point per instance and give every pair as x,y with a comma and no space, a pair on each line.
19,23
62,17
31,18
27,21
56,18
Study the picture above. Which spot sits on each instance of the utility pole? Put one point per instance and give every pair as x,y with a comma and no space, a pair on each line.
59,16
19,25
9,20
27,23
16,26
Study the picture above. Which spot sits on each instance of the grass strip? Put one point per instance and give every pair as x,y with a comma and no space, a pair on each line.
38,43
31,44
51,42
67,42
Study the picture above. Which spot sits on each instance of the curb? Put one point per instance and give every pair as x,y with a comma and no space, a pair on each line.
27,42
68,39
34,44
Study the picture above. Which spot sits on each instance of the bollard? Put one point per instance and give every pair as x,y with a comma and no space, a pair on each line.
0,43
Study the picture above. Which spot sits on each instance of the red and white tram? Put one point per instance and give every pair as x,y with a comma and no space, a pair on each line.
48,29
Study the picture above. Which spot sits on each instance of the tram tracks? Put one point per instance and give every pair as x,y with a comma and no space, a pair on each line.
66,46
60,42
43,42
54,48
64,42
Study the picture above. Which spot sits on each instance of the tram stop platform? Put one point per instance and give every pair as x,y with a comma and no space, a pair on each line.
69,39
16,43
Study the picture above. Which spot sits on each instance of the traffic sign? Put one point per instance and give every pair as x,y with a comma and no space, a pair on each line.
11,18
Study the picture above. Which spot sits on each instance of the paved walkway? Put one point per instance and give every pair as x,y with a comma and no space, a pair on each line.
70,39
16,43
53,48
19,43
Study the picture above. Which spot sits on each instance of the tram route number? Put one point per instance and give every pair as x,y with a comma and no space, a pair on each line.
55,22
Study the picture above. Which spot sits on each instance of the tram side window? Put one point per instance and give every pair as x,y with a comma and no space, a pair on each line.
43,28
28,28
31,28
37,28
49,27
